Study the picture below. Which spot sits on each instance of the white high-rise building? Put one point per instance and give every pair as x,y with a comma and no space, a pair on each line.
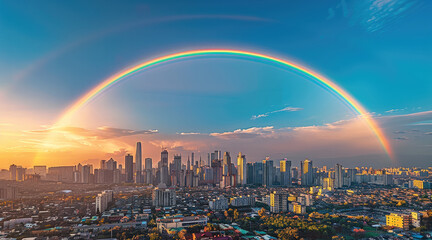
103,199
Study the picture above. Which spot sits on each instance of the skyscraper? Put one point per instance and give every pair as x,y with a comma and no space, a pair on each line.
148,163
285,170
111,164
258,173
164,168
294,173
227,164
13,172
138,163
85,174
148,171
175,170
268,174
307,176
250,173
338,183
102,164
129,168
188,164
241,168
227,176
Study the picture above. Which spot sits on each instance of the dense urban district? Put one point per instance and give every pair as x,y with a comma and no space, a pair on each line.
214,198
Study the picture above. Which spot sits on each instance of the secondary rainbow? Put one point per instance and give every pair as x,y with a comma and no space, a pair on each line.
333,87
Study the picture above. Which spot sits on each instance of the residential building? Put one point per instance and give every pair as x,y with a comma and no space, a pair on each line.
278,202
398,220
220,203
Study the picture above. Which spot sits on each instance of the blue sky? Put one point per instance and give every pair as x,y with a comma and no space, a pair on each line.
53,52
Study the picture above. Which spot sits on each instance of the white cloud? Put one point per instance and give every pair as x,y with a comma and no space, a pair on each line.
245,133
285,109
188,133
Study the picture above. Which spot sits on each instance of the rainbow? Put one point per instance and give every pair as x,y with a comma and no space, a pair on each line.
333,87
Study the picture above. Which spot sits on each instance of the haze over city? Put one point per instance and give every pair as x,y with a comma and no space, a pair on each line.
216,101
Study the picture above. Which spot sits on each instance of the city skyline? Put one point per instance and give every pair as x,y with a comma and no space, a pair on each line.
369,105
219,170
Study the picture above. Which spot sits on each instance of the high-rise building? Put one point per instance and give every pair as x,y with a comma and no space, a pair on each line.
164,173
13,172
164,197
307,176
61,173
40,170
241,169
227,176
285,170
129,168
217,167
258,173
328,184
102,164
338,183
268,175
85,174
148,163
176,170
188,164
213,156
148,171
227,164
138,163
278,202
294,173
111,164
103,199
250,173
